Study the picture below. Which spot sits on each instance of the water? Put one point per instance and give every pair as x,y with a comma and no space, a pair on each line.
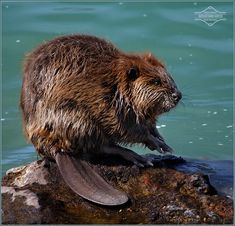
198,56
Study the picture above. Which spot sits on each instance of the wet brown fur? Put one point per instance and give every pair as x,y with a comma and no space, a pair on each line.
77,96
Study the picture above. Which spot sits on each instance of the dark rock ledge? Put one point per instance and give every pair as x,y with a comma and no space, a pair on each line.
36,194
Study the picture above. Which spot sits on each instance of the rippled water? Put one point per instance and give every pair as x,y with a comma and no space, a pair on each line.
198,56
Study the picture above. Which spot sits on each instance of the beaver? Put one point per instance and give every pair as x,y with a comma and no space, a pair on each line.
80,94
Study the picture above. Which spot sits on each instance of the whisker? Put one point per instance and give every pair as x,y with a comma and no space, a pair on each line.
186,97
182,103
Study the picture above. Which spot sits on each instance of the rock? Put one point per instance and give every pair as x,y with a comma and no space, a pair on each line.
36,194
220,173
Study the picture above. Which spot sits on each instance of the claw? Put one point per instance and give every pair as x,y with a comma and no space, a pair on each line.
138,164
157,143
149,163
166,149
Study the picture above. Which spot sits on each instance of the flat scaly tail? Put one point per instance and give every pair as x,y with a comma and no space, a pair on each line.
84,181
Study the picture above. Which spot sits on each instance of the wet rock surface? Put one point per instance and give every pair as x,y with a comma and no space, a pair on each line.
167,193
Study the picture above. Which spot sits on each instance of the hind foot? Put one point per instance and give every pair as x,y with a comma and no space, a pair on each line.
127,154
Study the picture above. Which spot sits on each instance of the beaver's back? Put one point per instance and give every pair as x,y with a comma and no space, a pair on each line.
67,57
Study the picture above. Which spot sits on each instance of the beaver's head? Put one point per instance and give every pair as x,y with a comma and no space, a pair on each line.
146,83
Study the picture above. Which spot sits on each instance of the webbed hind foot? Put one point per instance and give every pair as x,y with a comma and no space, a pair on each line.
127,154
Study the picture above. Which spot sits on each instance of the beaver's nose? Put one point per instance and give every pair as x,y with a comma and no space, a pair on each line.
177,95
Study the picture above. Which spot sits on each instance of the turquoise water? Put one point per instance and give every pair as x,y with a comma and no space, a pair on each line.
200,58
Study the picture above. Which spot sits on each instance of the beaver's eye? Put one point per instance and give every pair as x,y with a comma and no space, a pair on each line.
157,81
133,74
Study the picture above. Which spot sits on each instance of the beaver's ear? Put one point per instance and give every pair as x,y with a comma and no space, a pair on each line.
133,73
152,60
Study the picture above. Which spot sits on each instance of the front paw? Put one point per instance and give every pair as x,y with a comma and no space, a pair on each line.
155,143
164,148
